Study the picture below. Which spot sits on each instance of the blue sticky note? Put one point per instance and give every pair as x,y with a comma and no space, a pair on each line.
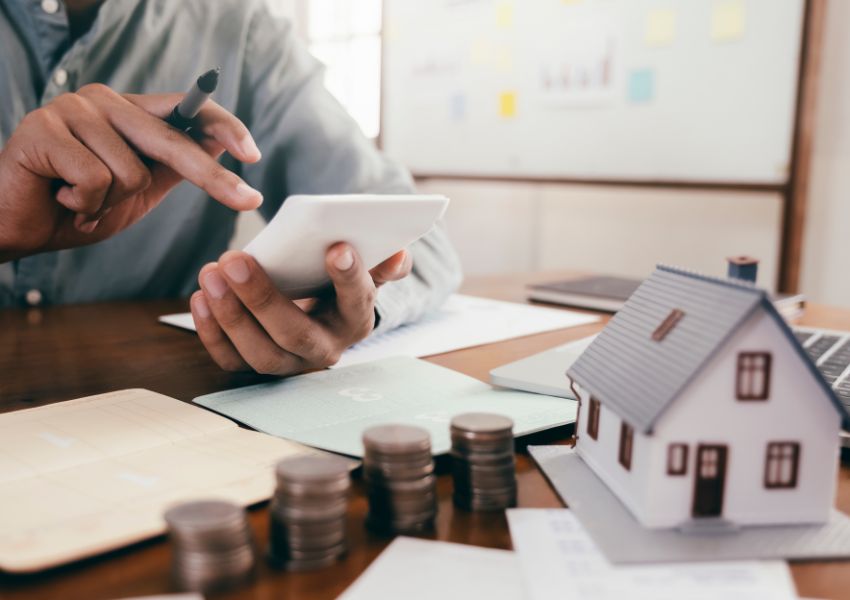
641,86
457,107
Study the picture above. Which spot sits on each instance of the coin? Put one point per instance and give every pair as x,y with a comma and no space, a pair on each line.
307,525
212,545
396,439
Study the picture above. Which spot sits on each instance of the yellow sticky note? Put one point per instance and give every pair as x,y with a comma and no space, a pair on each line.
507,105
660,27
505,15
727,20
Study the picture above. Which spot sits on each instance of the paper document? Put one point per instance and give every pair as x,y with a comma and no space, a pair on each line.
462,322
82,477
415,569
559,561
330,409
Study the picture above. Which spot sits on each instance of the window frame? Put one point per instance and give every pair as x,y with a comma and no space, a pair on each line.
672,468
626,449
745,372
347,38
594,409
775,458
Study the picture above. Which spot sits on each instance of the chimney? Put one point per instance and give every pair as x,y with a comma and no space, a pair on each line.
744,268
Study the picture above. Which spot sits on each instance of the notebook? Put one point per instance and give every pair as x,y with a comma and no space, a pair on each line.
330,409
82,477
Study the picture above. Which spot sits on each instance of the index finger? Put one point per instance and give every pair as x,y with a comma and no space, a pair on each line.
157,140
214,121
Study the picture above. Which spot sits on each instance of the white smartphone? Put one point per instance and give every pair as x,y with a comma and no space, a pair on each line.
292,247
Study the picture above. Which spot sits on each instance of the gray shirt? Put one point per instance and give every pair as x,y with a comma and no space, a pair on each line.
309,144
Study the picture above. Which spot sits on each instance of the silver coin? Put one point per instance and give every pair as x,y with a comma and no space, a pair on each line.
292,514
483,458
403,527
393,506
313,468
316,528
403,485
465,444
295,554
384,473
316,543
481,422
310,565
392,439
339,488
478,504
395,457
327,501
201,516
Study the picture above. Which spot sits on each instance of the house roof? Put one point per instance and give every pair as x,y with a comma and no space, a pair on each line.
637,376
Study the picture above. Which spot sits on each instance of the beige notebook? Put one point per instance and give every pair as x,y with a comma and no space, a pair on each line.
85,476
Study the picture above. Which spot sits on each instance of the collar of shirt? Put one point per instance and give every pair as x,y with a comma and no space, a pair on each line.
43,24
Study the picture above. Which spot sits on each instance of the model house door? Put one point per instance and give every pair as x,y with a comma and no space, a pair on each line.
709,481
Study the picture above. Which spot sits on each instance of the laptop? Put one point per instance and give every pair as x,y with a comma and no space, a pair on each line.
544,373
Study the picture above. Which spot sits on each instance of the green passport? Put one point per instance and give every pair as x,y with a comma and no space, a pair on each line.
331,409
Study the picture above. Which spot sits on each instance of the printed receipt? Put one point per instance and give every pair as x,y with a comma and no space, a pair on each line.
560,561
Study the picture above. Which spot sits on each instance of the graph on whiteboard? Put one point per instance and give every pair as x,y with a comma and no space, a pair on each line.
581,69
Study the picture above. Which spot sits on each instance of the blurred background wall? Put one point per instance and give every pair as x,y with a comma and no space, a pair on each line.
512,226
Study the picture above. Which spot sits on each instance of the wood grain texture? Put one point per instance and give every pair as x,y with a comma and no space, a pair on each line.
797,192
61,353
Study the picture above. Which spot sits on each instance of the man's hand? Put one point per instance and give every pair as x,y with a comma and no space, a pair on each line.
73,171
246,323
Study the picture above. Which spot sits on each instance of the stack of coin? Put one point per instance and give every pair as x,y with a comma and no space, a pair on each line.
212,545
399,475
483,463
307,525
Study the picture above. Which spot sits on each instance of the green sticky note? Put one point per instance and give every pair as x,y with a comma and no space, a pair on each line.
331,409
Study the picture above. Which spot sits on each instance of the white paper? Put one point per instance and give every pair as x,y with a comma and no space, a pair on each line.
463,322
559,561
415,569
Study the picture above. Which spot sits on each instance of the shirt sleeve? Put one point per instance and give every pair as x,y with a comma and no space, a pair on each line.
311,145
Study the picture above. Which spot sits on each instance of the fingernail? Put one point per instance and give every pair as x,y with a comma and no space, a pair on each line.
237,270
249,147
344,261
201,307
215,285
246,192
88,227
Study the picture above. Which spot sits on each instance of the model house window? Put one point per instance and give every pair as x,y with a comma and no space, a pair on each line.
593,418
667,324
781,464
677,459
753,381
626,440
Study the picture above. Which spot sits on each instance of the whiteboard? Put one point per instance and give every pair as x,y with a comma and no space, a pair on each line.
631,90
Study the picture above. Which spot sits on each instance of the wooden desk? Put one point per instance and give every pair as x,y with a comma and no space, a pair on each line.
62,353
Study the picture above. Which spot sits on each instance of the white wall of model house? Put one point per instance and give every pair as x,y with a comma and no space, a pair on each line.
707,412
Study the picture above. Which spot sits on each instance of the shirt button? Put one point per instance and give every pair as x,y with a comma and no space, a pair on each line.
50,6
60,77
34,297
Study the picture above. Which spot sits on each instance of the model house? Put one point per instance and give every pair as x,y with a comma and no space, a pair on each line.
697,402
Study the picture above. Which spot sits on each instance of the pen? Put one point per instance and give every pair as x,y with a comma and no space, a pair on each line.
189,107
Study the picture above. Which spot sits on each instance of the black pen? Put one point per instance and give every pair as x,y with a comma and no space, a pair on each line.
184,113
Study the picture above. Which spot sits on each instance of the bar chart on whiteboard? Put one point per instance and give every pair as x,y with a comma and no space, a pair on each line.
576,89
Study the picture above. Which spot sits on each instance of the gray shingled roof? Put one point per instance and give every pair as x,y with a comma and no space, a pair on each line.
638,377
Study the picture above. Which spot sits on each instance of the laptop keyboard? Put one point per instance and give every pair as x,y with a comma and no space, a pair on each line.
831,352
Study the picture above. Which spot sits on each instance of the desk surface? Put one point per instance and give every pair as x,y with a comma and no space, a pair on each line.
63,353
